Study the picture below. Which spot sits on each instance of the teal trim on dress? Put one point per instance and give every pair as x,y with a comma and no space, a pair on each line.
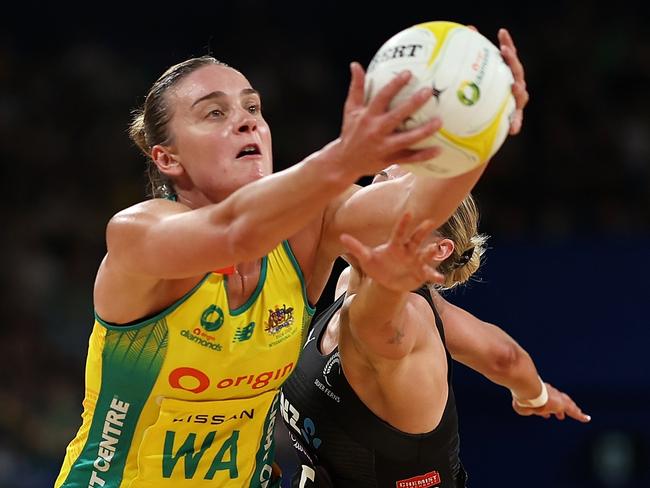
260,284
158,316
296,266
130,364
265,455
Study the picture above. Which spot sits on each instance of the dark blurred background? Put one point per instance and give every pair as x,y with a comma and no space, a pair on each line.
567,203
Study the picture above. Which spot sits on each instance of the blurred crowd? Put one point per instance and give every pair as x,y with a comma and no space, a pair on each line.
581,167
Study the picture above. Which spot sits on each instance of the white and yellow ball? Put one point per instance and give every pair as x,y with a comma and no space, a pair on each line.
471,87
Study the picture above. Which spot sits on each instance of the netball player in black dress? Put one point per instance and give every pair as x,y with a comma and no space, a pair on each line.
371,402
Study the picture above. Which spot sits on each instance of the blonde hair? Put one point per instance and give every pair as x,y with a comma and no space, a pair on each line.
469,245
149,126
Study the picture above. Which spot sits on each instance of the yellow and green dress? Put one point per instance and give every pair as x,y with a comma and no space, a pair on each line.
188,398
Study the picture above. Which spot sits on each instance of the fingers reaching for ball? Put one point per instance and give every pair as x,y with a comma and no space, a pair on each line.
509,53
371,134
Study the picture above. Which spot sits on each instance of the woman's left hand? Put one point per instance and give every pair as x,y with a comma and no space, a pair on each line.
559,404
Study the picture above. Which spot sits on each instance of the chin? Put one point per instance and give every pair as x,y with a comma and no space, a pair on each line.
263,170
252,176
258,173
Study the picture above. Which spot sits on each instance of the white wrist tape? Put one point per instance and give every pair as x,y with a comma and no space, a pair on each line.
540,401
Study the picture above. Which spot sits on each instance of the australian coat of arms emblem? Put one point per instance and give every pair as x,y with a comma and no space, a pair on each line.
279,319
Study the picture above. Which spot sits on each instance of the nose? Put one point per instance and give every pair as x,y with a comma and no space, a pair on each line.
247,123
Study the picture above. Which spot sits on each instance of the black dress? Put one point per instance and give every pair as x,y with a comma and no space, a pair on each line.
341,443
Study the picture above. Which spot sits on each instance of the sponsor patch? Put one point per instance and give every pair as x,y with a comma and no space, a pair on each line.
432,478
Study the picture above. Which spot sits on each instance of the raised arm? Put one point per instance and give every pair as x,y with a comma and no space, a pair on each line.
380,318
489,350
370,213
389,346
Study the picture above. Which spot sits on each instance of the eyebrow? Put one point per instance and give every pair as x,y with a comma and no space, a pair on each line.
219,94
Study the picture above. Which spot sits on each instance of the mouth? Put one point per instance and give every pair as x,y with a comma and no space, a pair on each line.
249,150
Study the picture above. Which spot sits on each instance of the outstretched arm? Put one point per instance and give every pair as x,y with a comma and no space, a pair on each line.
379,319
487,349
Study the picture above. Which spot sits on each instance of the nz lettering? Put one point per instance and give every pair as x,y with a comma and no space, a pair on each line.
111,433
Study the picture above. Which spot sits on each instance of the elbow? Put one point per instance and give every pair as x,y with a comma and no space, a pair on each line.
505,360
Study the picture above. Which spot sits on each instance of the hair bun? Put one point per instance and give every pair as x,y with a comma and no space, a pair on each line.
464,258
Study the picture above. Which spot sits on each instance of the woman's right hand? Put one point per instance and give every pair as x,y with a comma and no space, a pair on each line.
369,139
402,264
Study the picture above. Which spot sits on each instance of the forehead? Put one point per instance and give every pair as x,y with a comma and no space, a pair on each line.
207,79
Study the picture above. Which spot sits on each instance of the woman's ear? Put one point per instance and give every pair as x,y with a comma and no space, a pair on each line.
445,247
166,161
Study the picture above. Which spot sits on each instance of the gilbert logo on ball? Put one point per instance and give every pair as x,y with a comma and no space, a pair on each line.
471,85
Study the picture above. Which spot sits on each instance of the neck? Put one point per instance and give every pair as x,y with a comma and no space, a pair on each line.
247,268
192,199
242,282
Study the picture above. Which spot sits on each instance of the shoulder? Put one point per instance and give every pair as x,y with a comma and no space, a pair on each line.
141,215
420,309
155,207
